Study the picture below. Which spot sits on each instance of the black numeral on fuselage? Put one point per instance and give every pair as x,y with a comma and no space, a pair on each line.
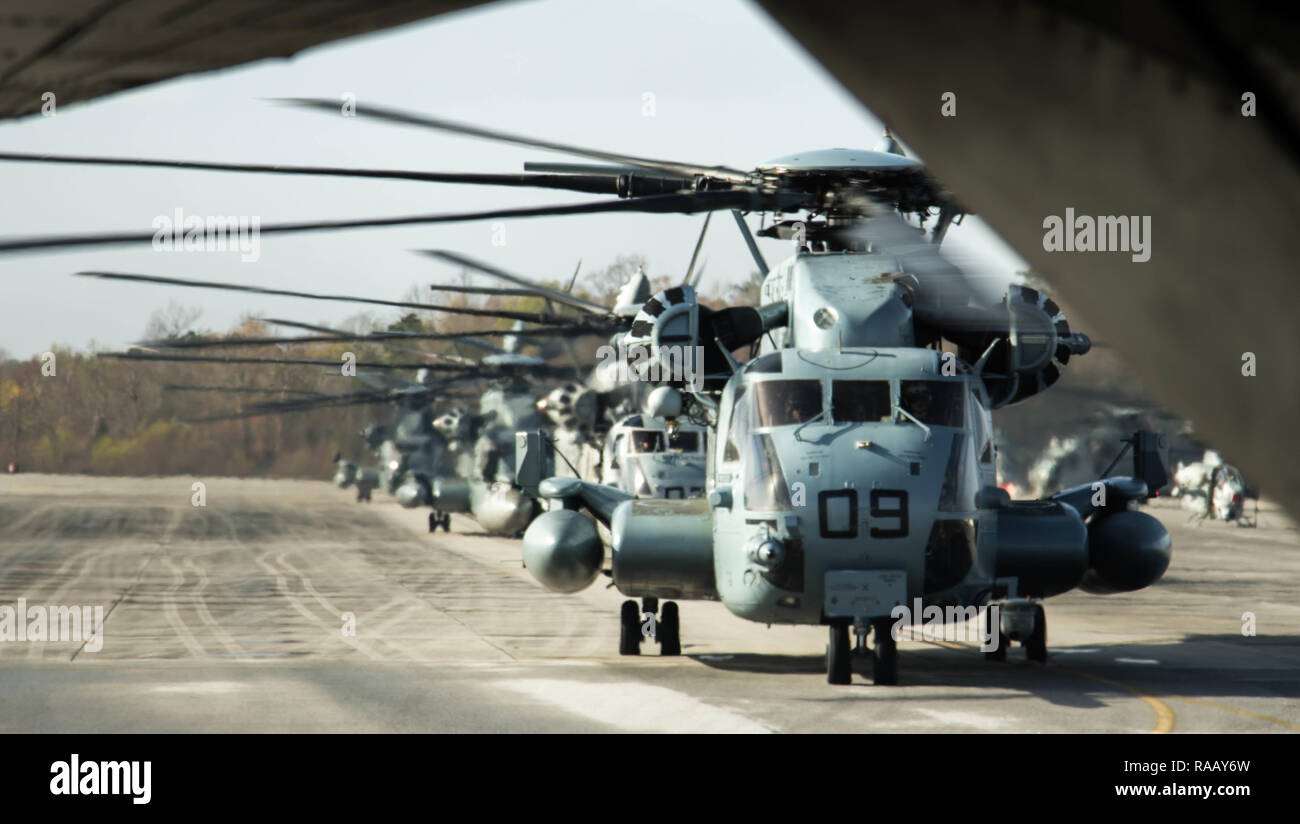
895,506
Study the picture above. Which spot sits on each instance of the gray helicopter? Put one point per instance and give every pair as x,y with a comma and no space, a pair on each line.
851,472
884,366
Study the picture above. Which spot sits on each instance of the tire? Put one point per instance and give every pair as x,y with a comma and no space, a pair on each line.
999,654
629,636
670,640
433,522
884,653
446,522
838,655
1036,644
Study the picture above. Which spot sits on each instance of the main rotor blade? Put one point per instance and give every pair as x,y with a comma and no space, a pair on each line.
596,184
577,330
286,409
538,289
382,338
374,337
484,290
425,121
236,390
503,370
681,202
529,317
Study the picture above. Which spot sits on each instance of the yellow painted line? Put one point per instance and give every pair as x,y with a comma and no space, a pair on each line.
1164,714
1165,717
1270,719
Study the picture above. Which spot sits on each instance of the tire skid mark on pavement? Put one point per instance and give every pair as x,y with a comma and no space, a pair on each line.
163,542
282,585
200,606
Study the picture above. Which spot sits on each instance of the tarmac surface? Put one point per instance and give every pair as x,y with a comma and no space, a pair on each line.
234,617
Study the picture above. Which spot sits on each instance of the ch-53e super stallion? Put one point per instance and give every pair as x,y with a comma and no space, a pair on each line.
851,467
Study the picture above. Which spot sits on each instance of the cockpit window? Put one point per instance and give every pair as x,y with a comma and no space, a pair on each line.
860,401
777,403
935,403
684,441
646,440
765,487
738,429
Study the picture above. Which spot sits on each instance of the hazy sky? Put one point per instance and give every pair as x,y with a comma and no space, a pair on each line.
730,87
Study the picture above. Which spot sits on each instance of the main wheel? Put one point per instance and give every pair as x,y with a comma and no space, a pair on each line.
446,522
629,636
998,653
433,521
884,653
1036,644
670,639
838,669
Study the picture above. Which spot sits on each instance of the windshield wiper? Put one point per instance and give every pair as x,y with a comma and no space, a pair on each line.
914,420
808,422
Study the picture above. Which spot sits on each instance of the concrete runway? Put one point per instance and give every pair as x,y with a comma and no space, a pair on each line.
229,617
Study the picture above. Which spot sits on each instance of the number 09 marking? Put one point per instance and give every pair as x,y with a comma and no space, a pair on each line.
896,508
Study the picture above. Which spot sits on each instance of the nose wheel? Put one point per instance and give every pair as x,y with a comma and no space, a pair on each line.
884,653
439,519
637,623
839,655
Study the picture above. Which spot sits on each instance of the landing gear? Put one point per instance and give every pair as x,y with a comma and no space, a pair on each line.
838,655
439,519
629,636
669,634
884,653
1019,619
363,495
638,622
1036,643
995,634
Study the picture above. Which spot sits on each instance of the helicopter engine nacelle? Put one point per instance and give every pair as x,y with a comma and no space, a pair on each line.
1127,550
663,548
1043,544
449,494
563,551
412,493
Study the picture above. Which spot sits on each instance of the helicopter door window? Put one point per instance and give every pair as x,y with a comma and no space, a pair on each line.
779,403
934,403
860,401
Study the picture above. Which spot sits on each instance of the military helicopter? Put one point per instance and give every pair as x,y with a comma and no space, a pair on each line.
851,468
452,462
1215,490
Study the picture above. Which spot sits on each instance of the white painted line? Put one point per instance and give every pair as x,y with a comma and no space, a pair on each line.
1147,661
632,706
200,688
962,718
